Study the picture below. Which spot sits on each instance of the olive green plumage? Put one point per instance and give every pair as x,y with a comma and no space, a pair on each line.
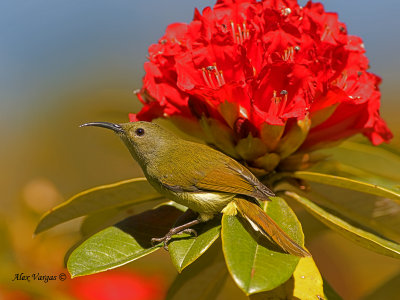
197,176
189,173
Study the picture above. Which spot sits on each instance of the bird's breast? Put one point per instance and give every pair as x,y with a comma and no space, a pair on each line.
203,202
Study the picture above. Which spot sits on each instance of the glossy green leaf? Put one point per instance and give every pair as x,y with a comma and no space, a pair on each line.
203,279
106,218
372,174
102,219
255,263
371,159
354,232
306,283
131,191
123,242
350,182
186,249
381,215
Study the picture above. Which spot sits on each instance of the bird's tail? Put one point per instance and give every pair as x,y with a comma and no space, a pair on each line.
261,222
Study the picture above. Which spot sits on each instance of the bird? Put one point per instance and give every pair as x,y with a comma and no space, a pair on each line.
199,177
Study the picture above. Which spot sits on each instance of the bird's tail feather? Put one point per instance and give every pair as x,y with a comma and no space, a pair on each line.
261,222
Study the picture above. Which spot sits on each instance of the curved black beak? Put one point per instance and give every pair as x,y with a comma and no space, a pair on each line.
114,127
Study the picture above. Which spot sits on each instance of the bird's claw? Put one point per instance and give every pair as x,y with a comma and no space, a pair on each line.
163,240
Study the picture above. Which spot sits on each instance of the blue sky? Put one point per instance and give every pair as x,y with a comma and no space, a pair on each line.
47,45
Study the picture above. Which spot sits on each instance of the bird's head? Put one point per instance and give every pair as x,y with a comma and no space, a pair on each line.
143,139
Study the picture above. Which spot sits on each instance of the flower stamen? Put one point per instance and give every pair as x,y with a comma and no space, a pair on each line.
284,93
326,32
217,76
277,105
246,32
213,77
254,72
241,34
243,112
288,54
342,81
233,31
286,11
205,76
222,77
274,107
355,98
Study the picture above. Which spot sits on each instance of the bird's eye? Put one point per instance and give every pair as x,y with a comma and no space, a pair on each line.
139,131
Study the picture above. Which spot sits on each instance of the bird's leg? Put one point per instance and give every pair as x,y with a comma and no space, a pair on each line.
181,229
176,231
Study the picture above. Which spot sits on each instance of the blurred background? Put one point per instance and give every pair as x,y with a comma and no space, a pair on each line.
63,63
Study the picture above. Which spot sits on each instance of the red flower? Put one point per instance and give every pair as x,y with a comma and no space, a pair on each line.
275,74
118,285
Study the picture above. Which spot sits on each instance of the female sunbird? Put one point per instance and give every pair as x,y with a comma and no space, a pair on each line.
200,178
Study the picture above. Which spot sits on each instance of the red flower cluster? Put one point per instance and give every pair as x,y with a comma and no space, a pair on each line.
262,69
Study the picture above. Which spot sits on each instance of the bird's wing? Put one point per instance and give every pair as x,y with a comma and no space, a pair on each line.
224,180
228,177
234,179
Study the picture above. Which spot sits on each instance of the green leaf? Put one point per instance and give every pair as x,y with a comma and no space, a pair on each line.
131,191
381,215
306,283
352,231
350,182
368,158
374,199
255,263
102,219
123,242
106,218
184,251
203,279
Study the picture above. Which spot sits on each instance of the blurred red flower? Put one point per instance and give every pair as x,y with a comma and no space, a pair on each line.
118,285
260,68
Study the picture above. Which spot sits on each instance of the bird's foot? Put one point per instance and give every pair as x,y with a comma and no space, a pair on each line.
169,235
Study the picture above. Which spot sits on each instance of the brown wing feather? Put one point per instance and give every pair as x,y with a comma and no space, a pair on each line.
225,181
220,174
264,224
236,179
